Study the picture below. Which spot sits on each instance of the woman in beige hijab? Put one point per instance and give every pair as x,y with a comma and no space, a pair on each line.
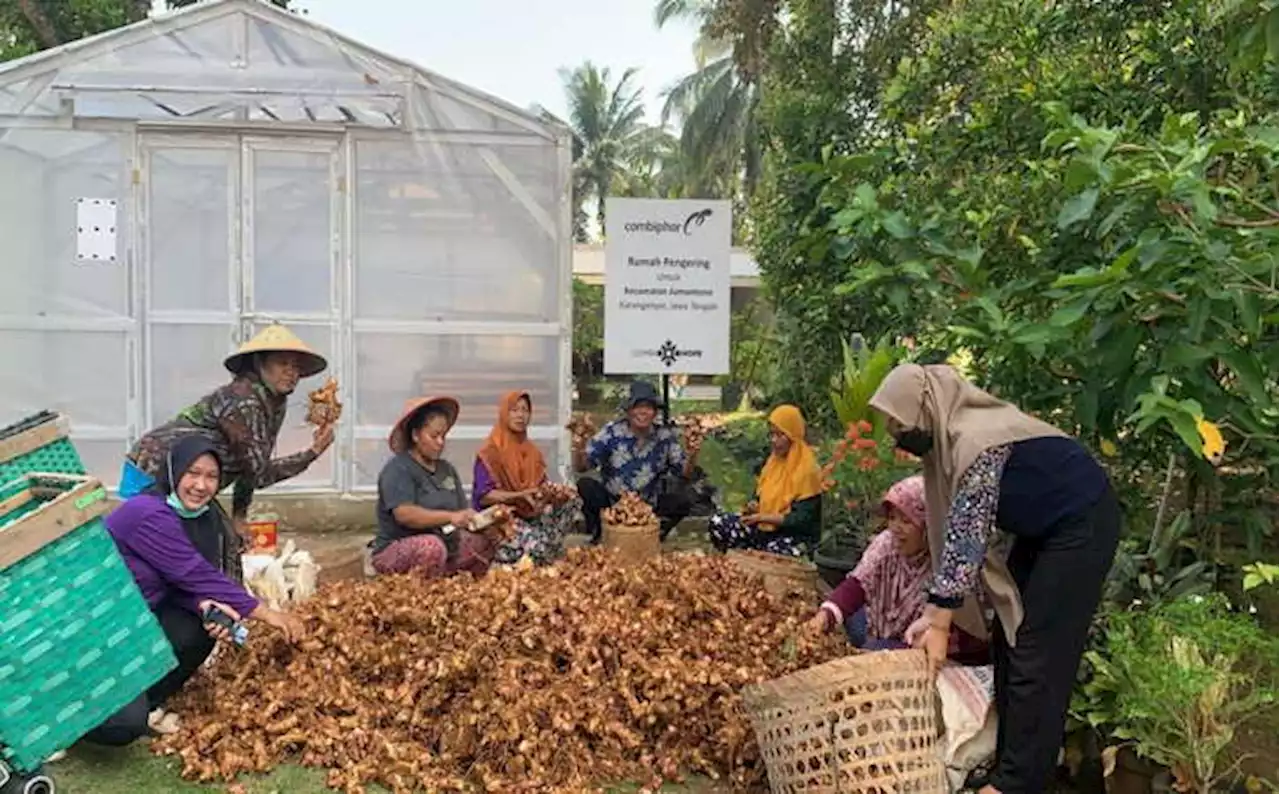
1015,507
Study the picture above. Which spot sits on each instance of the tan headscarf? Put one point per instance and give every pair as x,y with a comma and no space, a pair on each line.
965,421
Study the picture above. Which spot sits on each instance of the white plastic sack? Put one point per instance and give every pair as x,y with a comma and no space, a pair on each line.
966,697
285,579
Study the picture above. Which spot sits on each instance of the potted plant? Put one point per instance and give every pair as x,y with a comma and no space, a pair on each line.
859,468
861,465
1173,683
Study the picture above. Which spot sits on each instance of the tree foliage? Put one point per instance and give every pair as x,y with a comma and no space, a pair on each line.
716,106
1086,202
588,327
821,88
607,119
27,26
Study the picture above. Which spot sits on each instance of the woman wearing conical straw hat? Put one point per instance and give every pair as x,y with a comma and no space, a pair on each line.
242,419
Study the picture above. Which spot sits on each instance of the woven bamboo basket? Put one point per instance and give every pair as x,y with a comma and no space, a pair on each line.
864,724
781,574
634,543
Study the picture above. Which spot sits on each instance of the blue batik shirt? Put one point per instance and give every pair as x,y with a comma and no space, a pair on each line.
628,462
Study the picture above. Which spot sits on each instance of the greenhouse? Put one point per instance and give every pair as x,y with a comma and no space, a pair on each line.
173,186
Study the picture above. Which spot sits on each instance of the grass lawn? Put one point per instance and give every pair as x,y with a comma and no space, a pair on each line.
134,770
91,770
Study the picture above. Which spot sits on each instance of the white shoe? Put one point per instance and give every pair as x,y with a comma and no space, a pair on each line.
56,757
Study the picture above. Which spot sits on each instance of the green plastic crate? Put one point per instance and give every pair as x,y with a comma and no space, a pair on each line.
38,443
77,639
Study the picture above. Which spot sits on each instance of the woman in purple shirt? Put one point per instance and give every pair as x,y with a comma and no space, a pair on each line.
174,547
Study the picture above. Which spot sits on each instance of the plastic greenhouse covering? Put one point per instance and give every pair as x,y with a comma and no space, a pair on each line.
172,186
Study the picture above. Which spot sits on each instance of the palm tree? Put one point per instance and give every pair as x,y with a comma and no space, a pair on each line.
655,166
715,107
607,123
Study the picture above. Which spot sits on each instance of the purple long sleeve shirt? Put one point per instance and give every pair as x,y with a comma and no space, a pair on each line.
163,561
482,482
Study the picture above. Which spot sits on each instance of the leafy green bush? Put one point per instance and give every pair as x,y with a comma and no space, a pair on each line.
1177,680
1161,568
1085,202
588,328
864,368
745,439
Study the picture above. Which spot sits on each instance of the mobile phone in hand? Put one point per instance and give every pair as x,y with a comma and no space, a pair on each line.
239,631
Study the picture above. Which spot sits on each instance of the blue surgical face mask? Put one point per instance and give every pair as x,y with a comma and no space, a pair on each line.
182,510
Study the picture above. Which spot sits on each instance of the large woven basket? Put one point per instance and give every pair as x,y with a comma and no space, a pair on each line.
781,574
863,724
634,543
38,443
77,640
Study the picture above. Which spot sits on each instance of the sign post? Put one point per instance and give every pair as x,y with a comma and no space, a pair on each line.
667,287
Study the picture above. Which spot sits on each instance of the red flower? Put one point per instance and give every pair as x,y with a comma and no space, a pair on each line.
851,504
865,443
864,426
853,432
867,464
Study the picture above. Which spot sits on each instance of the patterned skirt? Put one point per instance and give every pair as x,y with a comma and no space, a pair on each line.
542,538
429,556
726,531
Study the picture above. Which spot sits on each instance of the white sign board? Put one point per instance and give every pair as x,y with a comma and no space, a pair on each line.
666,288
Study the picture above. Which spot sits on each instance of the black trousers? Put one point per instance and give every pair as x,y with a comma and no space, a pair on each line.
192,645
671,507
1060,577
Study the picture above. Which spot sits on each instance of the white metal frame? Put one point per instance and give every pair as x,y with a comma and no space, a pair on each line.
150,317
41,63
254,316
564,261
242,316
128,326
400,80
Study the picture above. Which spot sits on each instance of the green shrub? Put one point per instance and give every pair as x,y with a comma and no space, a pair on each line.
1177,680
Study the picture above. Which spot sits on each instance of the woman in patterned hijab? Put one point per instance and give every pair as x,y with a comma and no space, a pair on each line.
885,592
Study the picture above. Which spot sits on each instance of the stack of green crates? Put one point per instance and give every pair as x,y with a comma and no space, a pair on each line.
38,443
77,640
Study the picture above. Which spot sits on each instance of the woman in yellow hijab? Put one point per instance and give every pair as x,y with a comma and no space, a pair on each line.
785,515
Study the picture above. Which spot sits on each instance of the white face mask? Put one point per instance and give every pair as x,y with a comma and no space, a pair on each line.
182,510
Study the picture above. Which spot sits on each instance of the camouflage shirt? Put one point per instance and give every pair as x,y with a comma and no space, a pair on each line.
243,420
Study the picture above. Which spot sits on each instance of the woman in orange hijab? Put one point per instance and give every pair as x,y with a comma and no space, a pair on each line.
785,515
510,470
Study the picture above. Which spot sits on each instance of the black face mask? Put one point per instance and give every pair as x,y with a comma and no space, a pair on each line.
916,441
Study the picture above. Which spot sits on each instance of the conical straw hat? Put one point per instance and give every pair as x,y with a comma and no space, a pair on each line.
399,438
275,338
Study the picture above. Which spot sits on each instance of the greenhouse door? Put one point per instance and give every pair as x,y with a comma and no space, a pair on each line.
236,232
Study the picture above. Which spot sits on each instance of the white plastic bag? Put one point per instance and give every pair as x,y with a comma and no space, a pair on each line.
285,579
966,696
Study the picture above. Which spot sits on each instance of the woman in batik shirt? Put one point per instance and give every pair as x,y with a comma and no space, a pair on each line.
242,419
1021,515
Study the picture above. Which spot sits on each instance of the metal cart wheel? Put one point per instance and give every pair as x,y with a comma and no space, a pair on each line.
40,784
15,782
